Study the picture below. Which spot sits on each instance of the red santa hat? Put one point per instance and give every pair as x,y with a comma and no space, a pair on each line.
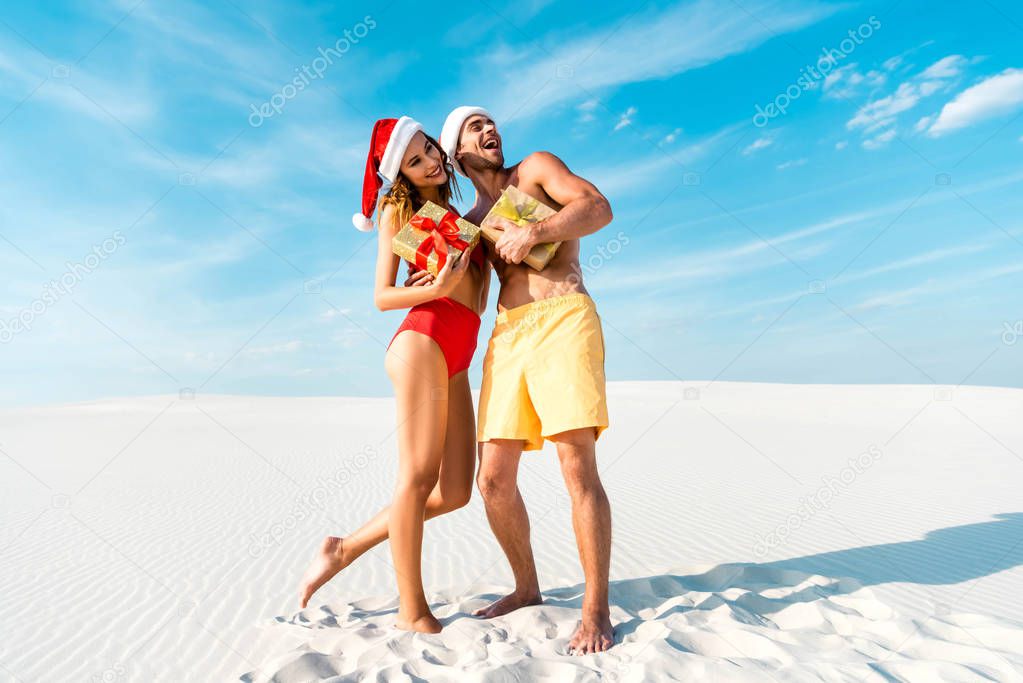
387,147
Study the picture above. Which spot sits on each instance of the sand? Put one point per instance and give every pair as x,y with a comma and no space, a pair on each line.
762,532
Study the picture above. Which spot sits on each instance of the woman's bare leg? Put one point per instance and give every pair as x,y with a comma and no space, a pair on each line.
452,491
421,395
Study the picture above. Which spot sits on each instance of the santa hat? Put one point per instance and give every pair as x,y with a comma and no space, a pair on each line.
386,150
453,127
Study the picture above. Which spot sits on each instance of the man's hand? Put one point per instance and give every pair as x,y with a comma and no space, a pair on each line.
418,278
515,241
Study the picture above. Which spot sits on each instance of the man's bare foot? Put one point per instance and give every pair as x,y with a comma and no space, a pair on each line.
508,603
424,624
329,560
595,634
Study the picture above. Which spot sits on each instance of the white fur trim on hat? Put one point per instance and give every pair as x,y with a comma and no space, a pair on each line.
362,223
453,126
402,134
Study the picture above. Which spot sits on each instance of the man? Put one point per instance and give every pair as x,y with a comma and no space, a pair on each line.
543,374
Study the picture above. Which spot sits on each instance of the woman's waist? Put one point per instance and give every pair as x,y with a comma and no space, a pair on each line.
450,305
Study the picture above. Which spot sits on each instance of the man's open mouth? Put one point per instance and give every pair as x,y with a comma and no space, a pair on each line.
491,143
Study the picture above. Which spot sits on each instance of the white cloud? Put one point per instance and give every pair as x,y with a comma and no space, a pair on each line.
843,83
614,179
923,123
791,164
758,144
903,99
331,313
841,144
879,141
882,114
626,118
936,286
991,97
586,110
946,67
646,47
892,63
274,349
671,137
931,256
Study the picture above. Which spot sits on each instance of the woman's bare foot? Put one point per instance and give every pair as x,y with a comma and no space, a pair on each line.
595,634
424,624
329,560
508,603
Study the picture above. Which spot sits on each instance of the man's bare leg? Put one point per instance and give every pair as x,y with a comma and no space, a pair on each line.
591,520
506,512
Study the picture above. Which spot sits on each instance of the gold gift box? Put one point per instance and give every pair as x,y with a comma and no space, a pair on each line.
521,209
408,240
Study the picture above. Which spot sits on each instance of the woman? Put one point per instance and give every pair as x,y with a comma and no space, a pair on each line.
427,361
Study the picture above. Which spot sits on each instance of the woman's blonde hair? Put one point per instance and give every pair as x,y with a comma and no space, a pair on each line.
404,197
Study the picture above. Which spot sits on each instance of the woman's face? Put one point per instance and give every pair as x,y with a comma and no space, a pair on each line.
422,163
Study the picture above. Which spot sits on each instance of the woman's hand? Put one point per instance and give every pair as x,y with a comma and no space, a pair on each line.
418,278
452,273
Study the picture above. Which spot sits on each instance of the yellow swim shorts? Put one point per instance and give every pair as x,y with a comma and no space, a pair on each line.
544,372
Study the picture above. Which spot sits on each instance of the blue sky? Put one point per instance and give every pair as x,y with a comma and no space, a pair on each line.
870,233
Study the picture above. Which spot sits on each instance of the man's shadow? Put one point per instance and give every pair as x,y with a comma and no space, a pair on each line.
944,556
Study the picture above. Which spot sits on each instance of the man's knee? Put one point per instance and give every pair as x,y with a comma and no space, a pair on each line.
579,470
496,486
496,478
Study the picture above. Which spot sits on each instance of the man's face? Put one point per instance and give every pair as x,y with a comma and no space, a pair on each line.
479,144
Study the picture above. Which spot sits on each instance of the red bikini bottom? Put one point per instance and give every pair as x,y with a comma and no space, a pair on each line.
454,326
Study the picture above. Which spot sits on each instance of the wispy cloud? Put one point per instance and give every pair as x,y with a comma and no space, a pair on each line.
792,163
650,45
671,137
878,118
757,145
626,118
908,295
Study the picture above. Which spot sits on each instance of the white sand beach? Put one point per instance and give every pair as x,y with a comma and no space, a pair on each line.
762,532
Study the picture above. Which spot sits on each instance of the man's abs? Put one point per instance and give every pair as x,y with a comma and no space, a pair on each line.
520,284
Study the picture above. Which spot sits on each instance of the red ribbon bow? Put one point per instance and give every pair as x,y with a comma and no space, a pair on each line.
443,234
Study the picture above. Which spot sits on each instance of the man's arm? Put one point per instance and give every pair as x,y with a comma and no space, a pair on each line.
584,209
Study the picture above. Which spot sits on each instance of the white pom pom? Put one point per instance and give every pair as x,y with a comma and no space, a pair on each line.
362,223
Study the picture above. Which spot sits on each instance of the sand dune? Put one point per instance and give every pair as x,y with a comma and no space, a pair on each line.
762,532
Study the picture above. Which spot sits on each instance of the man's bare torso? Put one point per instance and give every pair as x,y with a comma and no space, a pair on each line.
520,284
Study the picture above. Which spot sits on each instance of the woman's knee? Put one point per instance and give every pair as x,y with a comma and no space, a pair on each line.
418,484
448,500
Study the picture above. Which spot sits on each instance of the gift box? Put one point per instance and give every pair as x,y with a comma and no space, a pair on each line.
521,209
432,236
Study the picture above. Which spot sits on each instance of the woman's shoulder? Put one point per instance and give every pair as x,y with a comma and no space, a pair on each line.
388,218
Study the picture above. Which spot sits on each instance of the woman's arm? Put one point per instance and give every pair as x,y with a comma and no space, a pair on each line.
386,296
